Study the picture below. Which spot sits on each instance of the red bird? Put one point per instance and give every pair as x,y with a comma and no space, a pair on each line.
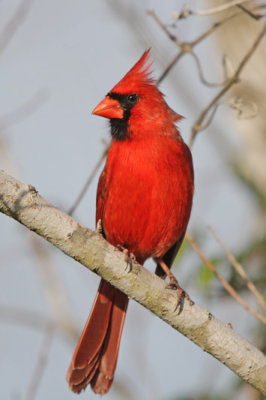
144,200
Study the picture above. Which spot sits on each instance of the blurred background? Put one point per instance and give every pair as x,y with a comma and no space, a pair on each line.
58,60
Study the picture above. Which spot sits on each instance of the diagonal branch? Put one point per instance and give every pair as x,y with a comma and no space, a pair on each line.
89,179
240,270
14,23
209,11
185,47
23,203
198,125
225,284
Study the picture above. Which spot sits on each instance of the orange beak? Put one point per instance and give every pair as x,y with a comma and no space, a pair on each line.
109,108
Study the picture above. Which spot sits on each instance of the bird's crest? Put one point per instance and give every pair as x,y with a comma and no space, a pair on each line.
138,77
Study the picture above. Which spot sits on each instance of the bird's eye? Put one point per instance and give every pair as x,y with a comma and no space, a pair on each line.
132,98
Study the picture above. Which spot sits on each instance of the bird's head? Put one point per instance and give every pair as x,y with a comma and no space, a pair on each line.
135,104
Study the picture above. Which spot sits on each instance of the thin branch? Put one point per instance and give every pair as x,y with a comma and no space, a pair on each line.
251,13
210,118
201,75
14,23
170,66
23,203
213,28
197,127
225,284
55,294
218,9
29,107
35,320
185,47
239,269
30,318
41,364
89,180
172,37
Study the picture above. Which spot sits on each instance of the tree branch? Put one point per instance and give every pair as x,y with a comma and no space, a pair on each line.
198,125
185,47
224,282
24,204
240,270
14,23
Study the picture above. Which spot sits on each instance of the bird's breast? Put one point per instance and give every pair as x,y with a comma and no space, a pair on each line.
149,189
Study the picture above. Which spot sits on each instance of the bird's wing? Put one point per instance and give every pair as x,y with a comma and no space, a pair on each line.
169,257
101,194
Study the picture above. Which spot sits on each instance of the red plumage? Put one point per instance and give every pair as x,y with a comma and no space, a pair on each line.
144,201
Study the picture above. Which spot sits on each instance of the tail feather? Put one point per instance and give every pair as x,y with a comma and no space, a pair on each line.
103,380
95,357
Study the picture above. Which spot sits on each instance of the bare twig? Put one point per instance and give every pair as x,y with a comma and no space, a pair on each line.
239,269
210,118
197,127
14,23
89,180
23,111
19,315
53,289
251,13
153,14
170,66
41,363
201,75
185,47
225,284
209,11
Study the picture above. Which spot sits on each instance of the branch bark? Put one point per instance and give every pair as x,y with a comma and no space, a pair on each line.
23,203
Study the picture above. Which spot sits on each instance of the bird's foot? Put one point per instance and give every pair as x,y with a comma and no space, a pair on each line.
129,257
181,294
173,284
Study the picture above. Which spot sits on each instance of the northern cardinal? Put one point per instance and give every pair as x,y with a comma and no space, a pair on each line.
144,200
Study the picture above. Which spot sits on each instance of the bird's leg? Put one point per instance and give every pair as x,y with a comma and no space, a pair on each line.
182,294
99,227
130,257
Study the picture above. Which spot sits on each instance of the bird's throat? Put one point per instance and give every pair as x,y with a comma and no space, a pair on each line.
119,128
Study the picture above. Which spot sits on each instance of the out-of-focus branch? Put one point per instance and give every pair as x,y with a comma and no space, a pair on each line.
53,289
185,47
200,122
35,320
90,179
186,11
240,270
208,112
251,13
201,75
18,315
41,364
225,284
14,23
24,110
23,203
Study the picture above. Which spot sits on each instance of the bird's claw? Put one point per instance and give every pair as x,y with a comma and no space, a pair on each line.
181,294
130,257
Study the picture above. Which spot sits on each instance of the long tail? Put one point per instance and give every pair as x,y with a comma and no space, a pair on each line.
95,357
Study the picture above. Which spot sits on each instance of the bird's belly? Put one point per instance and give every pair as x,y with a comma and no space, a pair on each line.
145,217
